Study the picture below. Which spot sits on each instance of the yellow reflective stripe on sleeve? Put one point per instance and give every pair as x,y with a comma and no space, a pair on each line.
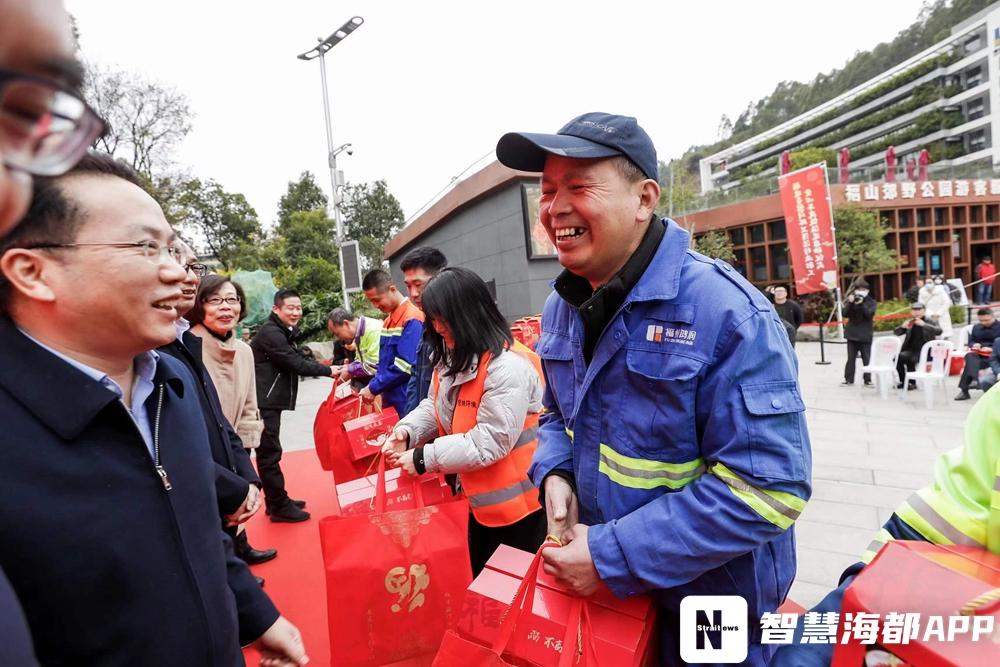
882,537
402,365
646,474
926,511
778,507
389,333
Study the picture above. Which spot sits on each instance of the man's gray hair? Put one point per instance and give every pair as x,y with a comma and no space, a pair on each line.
339,316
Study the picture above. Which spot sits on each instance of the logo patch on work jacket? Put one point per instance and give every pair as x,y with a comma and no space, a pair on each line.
465,403
659,334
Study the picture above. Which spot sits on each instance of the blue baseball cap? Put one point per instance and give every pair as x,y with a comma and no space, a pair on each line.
592,135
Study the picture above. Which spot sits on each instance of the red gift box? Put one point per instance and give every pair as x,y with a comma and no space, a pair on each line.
930,580
622,630
366,434
358,496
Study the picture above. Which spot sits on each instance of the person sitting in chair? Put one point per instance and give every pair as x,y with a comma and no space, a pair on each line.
917,330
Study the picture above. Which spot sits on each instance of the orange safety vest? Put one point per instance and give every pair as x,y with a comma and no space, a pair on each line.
501,493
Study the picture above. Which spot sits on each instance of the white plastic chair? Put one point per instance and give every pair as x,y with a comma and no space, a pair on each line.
935,355
882,365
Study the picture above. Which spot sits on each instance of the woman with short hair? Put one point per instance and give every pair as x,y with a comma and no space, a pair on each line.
219,306
480,419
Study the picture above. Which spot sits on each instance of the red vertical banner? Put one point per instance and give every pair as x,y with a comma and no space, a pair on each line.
806,204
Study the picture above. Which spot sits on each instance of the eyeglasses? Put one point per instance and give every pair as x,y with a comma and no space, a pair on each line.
218,300
200,270
151,250
45,128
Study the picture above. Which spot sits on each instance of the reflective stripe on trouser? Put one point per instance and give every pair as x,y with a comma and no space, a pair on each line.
929,512
403,365
778,507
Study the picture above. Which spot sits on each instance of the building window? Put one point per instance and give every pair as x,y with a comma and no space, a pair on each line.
740,262
973,77
758,261
779,260
757,234
905,218
737,237
973,44
777,230
977,141
975,110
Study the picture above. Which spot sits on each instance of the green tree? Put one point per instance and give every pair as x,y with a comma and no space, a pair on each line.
309,234
810,156
861,247
372,215
302,195
310,275
223,222
715,244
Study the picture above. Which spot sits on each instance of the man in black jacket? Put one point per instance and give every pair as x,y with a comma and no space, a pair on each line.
859,309
278,364
236,483
917,331
980,346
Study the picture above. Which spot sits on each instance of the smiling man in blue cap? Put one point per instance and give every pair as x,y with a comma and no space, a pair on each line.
673,457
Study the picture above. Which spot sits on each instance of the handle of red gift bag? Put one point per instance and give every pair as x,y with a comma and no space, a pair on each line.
380,491
578,642
525,591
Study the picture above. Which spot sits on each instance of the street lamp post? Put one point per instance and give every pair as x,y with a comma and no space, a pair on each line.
319,51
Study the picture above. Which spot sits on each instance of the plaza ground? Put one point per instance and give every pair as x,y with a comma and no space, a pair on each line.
869,454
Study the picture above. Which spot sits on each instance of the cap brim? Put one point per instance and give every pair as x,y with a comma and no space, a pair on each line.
527,152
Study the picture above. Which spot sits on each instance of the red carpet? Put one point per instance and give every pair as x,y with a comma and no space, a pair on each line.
295,579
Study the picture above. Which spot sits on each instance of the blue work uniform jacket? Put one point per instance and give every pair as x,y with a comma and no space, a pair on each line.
111,567
397,353
685,437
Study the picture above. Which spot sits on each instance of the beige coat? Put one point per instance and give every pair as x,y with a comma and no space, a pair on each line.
230,365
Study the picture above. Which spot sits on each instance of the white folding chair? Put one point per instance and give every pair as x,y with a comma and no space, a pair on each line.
932,369
882,365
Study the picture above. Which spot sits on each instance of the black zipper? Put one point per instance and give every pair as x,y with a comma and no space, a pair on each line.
160,470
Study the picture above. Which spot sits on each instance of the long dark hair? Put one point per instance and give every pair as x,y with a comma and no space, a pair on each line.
460,299
209,286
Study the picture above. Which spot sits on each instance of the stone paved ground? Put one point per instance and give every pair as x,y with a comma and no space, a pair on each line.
868,455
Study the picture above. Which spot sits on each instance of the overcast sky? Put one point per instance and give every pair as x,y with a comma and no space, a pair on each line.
424,89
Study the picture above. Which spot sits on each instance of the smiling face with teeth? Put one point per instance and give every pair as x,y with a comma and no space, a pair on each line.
594,215
103,305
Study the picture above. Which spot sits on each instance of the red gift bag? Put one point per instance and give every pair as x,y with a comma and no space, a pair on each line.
330,416
366,434
345,467
395,579
575,648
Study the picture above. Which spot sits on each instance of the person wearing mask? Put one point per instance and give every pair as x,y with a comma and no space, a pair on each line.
122,560
673,454
987,274
36,62
981,341
401,333
278,363
419,266
480,419
228,361
917,330
937,301
365,335
859,309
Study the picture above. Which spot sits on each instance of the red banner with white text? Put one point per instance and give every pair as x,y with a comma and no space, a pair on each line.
805,202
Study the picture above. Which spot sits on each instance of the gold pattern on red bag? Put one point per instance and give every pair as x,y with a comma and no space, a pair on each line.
401,526
409,586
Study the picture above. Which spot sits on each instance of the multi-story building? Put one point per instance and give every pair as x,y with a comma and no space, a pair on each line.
945,99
